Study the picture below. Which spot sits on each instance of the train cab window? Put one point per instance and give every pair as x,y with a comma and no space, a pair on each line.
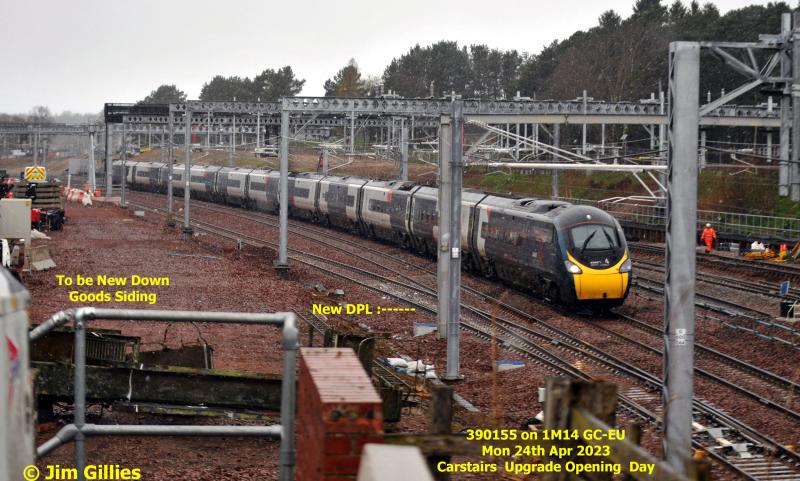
594,237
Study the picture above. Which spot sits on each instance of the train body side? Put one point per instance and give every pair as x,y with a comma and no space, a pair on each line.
338,201
231,186
573,255
303,190
262,190
384,210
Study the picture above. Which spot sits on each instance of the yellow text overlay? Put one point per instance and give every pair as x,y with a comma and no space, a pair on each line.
84,289
353,309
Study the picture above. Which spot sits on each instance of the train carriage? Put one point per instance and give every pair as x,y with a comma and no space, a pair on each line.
147,175
384,210
423,223
262,190
163,177
514,241
116,172
470,199
202,180
130,172
177,179
303,189
338,201
231,185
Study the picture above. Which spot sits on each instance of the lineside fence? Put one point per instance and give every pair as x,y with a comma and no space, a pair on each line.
731,222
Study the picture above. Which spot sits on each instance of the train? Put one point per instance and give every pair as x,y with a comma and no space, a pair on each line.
571,255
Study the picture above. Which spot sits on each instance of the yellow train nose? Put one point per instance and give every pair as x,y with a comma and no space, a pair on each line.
598,284
589,286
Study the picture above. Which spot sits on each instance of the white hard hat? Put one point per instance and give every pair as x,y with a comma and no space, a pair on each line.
708,225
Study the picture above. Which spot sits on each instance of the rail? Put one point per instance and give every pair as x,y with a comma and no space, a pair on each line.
732,222
79,430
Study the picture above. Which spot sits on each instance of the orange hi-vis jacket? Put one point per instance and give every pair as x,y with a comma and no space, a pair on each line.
708,235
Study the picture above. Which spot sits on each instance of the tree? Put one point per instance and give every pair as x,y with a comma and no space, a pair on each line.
271,85
40,114
223,89
610,20
652,10
346,83
677,11
165,94
408,75
437,69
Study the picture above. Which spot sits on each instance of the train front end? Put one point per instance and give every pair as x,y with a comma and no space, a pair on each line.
597,263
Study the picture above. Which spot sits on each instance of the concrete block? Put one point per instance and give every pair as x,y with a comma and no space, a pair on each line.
392,463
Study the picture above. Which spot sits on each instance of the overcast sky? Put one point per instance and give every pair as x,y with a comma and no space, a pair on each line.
77,54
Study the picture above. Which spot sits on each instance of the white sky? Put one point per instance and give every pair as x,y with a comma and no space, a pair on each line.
77,54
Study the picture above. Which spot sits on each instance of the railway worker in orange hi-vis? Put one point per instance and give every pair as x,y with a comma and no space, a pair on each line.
708,237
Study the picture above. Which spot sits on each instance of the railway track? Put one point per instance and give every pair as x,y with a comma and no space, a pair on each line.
759,322
740,285
771,269
742,318
752,454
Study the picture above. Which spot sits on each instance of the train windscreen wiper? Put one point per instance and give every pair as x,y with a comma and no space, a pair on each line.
586,242
610,240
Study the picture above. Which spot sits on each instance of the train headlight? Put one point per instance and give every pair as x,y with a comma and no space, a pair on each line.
626,266
572,268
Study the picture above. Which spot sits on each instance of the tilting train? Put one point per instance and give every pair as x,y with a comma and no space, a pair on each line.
570,254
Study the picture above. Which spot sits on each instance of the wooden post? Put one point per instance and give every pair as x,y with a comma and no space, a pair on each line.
441,423
557,405
700,469
633,433
598,398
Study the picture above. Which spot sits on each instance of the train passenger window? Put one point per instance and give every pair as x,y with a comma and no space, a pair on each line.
235,183
594,237
258,186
